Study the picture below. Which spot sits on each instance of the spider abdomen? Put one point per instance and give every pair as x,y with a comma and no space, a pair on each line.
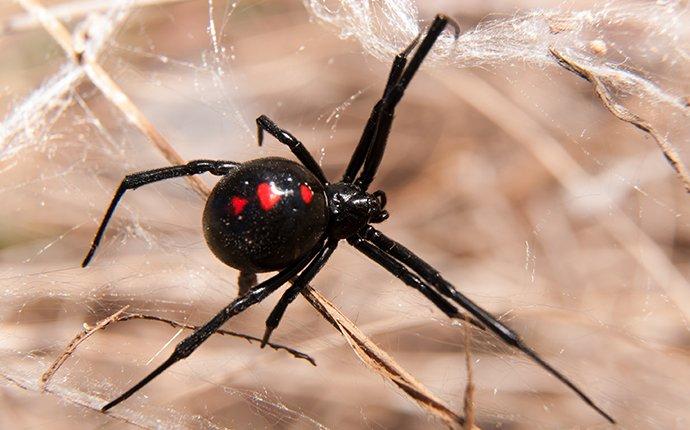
265,215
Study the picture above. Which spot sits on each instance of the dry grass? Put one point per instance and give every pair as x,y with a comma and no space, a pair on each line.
515,182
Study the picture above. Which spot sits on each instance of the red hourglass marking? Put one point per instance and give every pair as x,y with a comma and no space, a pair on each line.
238,204
306,193
267,196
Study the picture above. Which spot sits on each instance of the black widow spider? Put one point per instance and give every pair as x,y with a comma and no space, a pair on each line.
273,214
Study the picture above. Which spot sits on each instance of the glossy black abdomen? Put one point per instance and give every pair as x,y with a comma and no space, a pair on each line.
265,215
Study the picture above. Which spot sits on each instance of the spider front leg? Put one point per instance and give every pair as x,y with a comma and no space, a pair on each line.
406,276
298,285
255,295
136,180
264,123
376,145
433,277
369,132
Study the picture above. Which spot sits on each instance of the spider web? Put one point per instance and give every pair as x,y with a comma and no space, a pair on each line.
551,206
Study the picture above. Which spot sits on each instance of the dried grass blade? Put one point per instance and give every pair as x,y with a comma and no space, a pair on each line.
380,362
78,339
620,112
100,78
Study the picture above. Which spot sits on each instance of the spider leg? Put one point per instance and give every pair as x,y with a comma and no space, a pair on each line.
240,304
400,272
393,95
136,180
264,123
369,132
296,288
433,277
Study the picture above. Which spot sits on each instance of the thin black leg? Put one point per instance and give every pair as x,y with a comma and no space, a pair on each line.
191,343
393,96
400,272
136,180
299,284
264,123
433,277
369,132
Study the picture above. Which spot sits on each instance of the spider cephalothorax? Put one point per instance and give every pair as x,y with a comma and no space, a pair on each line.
274,214
352,209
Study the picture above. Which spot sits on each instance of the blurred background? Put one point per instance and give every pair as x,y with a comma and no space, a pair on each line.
504,170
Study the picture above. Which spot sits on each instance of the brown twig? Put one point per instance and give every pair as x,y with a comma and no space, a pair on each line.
382,363
120,316
602,91
370,354
468,403
108,87
276,346
79,338
117,97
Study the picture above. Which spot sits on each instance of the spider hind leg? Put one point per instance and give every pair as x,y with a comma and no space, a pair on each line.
298,285
240,304
393,250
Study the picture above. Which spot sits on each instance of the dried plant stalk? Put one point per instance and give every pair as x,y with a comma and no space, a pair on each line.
249,338
72,346
120,316
379,361
468,403
100,78
602,91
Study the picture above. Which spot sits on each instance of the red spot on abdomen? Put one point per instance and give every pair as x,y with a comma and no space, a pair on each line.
238,204
306,193
268,198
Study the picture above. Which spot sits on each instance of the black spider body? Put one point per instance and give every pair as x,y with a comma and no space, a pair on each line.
351,209
274,214
265,215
